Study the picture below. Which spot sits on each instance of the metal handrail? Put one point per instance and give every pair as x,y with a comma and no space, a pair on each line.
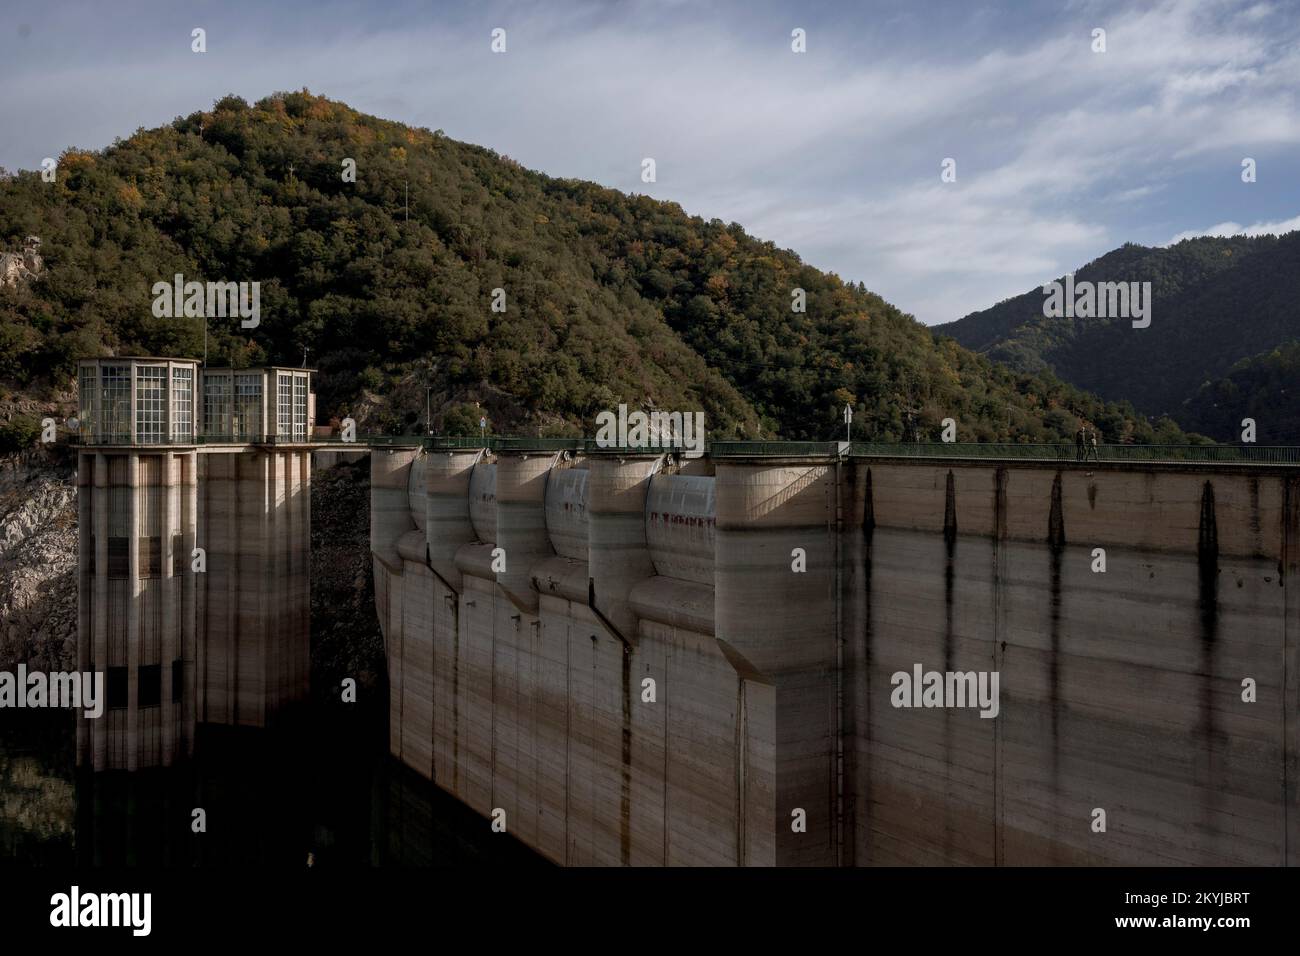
776,449
1021,451
1242,454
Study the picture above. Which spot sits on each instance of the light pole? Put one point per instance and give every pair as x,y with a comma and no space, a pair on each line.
428,416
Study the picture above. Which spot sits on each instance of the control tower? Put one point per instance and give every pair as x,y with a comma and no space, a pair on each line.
194,598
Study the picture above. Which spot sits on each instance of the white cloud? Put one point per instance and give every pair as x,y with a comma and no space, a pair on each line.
834,153
1225,229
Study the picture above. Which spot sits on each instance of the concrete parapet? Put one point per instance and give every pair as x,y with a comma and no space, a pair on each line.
390,506
566,511
563,577
672,601
417,486
476,560
775,574
448,524
521,523
679,514
619,556
483,500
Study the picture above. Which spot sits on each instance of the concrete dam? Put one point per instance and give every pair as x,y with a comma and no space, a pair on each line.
631,658
636,660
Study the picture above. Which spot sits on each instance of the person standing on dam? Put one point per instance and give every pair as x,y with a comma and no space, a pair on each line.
1079,437
1092,446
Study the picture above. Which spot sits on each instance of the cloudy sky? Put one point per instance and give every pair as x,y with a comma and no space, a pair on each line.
1062,153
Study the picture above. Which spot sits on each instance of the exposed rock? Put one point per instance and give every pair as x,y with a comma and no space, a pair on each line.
16,267
345,636
38,568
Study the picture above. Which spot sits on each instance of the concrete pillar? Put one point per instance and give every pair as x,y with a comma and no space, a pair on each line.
303,681
99,737
85,590
229,562
447,520
170,618
284,650
783,621
390,512
619,555
275,586
266,485
133,609
857,530
190,591
521,524
1290,794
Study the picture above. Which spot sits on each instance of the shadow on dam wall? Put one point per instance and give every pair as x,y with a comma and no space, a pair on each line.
1137,620
320,783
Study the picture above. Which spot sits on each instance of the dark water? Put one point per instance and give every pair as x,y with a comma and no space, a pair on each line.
323,785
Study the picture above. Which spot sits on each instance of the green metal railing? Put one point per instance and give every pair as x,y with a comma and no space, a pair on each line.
186,440
777,449
1215,454
985,451
505,443
974,451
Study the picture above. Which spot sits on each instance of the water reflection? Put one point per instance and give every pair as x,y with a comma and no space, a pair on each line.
37,787
320,790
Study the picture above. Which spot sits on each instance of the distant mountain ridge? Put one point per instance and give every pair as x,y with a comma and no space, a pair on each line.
1215,302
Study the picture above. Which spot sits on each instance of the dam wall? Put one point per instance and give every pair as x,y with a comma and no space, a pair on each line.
1122,690
641,742
1138,619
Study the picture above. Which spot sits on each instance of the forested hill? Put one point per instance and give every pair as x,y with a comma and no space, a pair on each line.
608,298
1264,388
1214,302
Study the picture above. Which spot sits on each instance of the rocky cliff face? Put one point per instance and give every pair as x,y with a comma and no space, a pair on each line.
38,567
345,636
16,267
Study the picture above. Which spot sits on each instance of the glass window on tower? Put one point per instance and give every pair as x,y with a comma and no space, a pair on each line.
150,402
88,379
116,402
285,421
300,408
248,406
216,406
182,403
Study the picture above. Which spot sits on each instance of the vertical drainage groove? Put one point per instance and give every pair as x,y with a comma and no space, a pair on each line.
1056,548
1284,569
455,704
839,671
742,760
1207,561
999,564
949,575
865,676
625,797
